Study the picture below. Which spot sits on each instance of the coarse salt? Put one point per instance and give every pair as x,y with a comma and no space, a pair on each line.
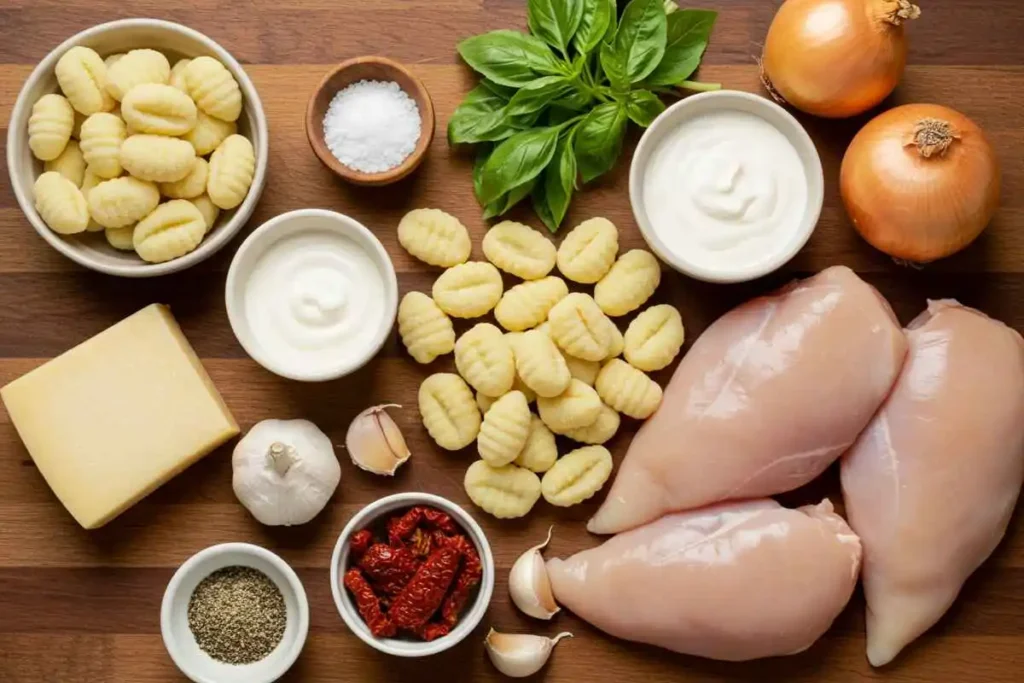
372,126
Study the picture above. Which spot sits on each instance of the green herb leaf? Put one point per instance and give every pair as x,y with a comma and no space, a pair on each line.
479,118
598,141
643,107
540,207
554,21
598,15
517,160
531,99
503,204
482,154
639,43
510,58
688,34
559,183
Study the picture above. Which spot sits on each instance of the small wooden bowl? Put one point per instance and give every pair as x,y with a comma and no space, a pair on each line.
369,69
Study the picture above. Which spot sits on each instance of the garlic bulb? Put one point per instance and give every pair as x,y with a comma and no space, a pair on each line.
284,471
375,443
529,586
519,655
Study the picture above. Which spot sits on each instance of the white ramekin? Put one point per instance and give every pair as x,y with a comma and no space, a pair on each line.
702,103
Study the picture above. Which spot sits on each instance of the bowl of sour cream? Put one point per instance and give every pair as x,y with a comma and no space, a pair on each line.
311,295
726,186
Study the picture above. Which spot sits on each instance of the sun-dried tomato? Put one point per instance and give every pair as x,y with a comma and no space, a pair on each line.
359,543
468,577
401,528
433,631
421,543
389,569
368,604
412,608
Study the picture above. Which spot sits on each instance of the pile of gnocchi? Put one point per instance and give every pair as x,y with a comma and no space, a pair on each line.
555,348
146,153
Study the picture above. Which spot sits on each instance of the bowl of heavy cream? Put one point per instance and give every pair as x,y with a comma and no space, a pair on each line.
311,295
726,186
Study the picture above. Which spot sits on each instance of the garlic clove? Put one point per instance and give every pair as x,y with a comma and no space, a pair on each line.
518,655
529,585
375,443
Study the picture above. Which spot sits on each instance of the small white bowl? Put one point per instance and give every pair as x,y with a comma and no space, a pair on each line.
471,616
91,249
288,225
703,103
180,642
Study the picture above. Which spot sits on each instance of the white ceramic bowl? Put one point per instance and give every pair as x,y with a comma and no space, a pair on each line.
180,642
297,223
91,249
471,615
704,103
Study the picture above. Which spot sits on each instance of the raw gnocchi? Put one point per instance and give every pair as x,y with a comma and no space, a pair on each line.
630,282
577,476
527,304
504,430
484,402
448,410
588,251
468,290
102,136
158,159
583,370
434,237
628,390
578,406
89,181
580,328
50,126
173,229
603,428
177,75
505,492
121,238
208,133
484,359
122,202
654,338
207,208
135,68
613,336
520,250
540,451
82,77
191,186
111,60
424,328
159,109
232,167
540,364
70,163
60,203
213,88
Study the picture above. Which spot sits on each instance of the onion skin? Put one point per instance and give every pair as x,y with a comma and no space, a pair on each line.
915,207
836,58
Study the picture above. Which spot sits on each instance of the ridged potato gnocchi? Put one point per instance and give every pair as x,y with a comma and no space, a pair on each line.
540,364
577,476
122,202
504,430
82,77
628,390
173,229
519,250
506,492
424,328
654,338
192,185
578,406
630,282
208,133
49,126
232,166
101,137
135,68
122,239
580,328
159,109
206,207
60,203
157,158
434,237
602,429
213,88
468,290
527,304
177,76
540,451
70,163
588,251
485,360
448,411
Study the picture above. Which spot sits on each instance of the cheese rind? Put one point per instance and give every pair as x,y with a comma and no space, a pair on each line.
115,417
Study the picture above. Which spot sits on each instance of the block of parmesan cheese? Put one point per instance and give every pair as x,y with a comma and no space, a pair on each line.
118,415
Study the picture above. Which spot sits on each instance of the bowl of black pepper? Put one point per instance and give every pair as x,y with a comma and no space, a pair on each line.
234,613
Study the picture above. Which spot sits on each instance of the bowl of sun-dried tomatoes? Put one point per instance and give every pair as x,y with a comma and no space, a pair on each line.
412,574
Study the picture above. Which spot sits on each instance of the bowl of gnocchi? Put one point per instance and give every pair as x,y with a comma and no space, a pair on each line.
138,147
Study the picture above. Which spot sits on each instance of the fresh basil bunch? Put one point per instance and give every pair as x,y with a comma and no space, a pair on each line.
554,104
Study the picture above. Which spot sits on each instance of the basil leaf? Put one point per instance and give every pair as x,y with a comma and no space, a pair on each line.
531,99
639,42
575,100
502,91
516,160
598,15
554,21
599,139
559,183
504,203
510,58
479,118
483,153
540,207
688,34
643,107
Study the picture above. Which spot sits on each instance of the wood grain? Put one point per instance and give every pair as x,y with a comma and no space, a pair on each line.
83,607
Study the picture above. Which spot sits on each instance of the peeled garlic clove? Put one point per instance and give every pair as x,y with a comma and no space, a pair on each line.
529,586
374,441
519,655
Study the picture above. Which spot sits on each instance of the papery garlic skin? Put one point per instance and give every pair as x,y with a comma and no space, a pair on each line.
529,586
518,655
375,443
284,471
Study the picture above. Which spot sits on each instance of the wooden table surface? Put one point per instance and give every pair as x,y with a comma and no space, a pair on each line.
83,607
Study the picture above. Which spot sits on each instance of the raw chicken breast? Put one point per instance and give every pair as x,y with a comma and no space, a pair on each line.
932,482
735,581
768,397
